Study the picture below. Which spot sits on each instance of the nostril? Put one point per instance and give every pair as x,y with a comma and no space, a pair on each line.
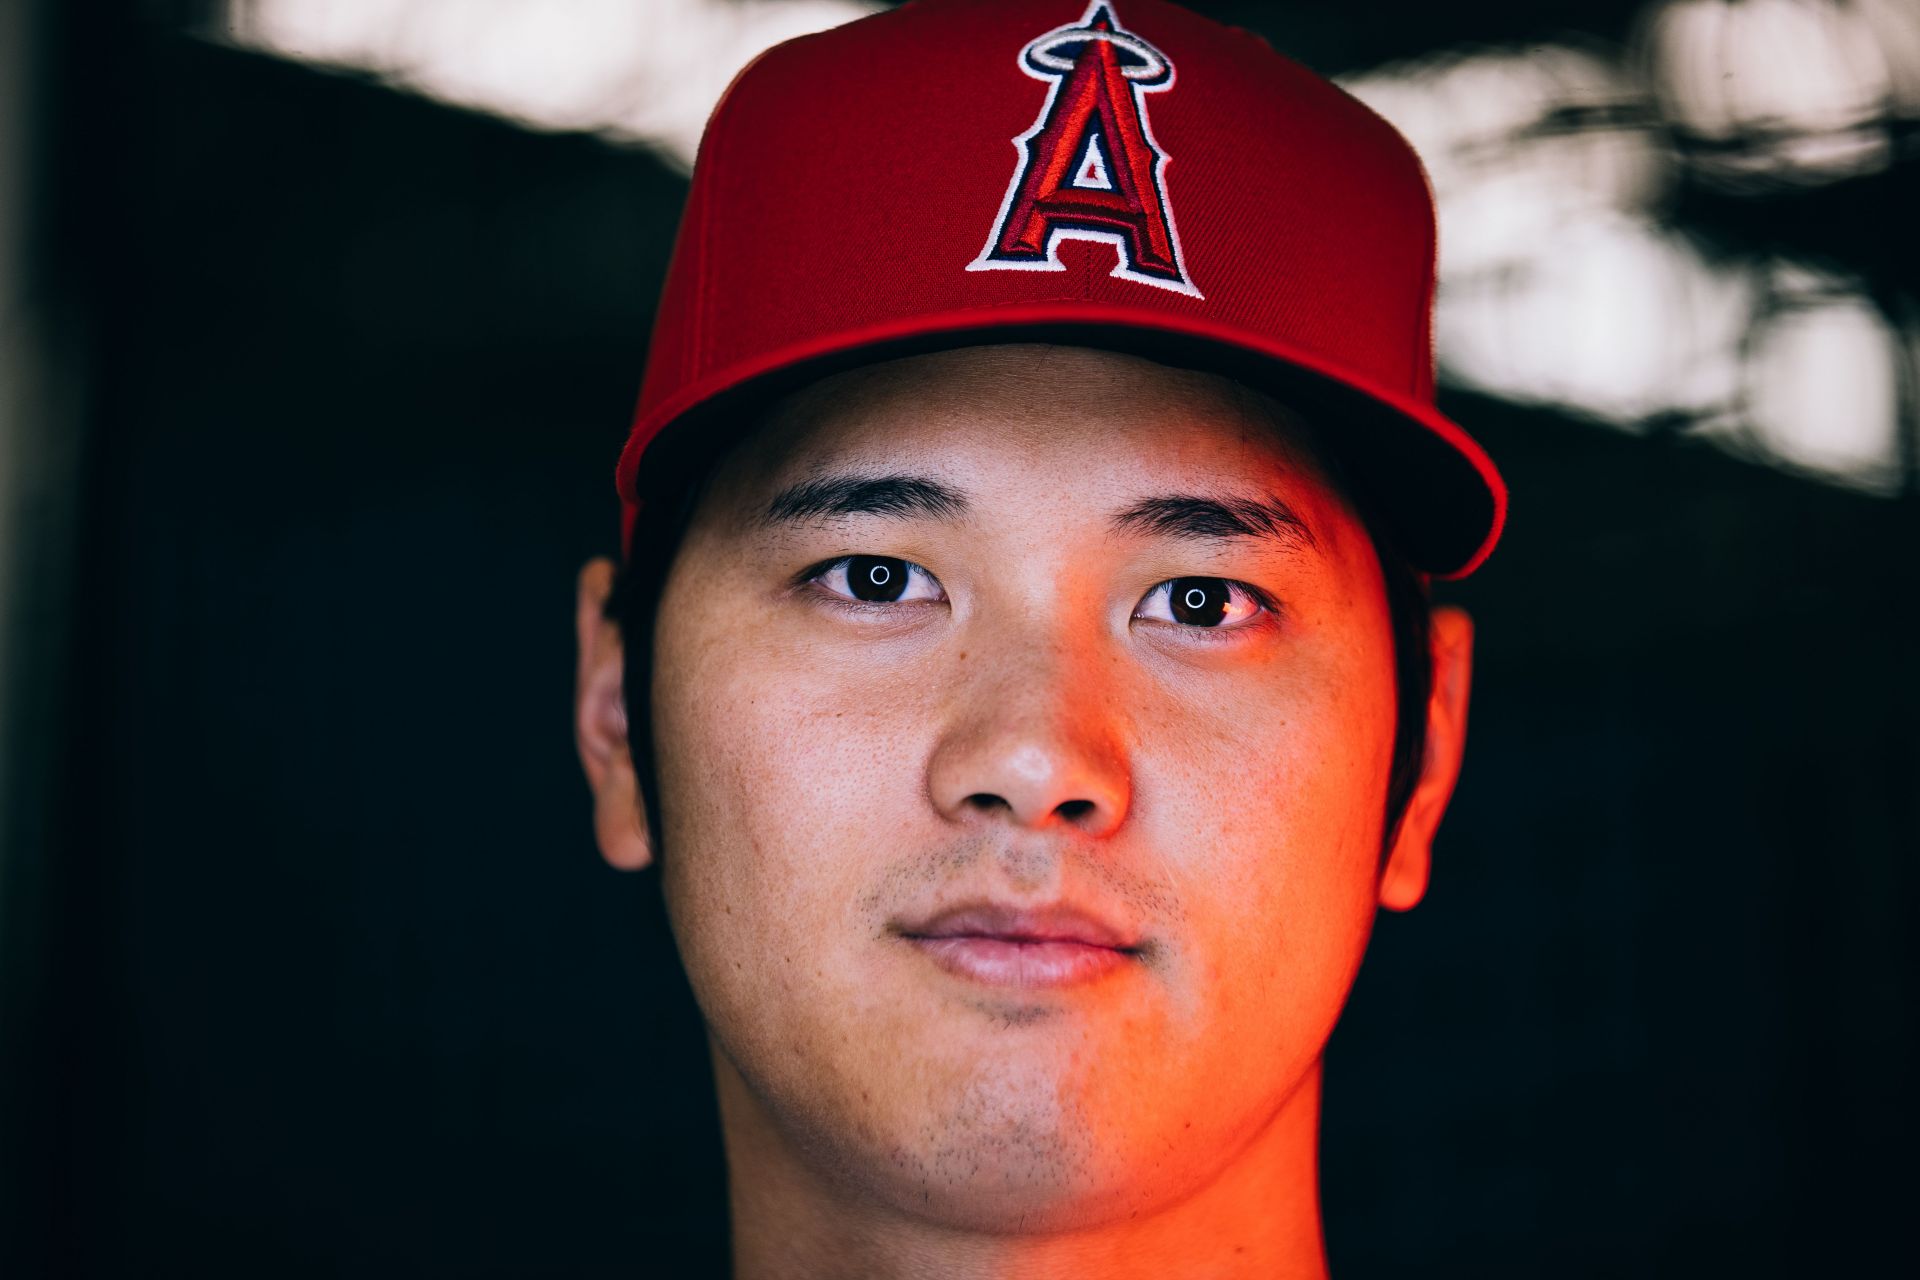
1073,810
987,800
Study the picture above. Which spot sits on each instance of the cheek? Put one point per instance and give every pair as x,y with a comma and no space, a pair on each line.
1279,801
780,791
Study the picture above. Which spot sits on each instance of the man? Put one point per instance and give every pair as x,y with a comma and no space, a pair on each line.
1021,670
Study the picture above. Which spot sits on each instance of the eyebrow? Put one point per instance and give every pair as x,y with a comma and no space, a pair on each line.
904,497
1216,519
897,496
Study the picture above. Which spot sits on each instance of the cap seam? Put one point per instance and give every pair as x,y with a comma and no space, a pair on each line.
713,143
1426,375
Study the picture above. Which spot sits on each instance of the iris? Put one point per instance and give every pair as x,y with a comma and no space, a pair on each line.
877,578
1198,602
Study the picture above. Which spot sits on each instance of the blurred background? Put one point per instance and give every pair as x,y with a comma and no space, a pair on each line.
320,322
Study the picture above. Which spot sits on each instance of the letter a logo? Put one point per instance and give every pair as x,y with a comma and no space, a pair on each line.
1089,168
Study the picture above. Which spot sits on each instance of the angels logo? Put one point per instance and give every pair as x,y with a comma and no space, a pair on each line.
1089,168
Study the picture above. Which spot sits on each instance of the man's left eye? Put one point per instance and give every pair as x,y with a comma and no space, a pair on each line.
878,580
1213,603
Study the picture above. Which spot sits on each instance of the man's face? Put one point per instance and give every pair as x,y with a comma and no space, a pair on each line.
1029,891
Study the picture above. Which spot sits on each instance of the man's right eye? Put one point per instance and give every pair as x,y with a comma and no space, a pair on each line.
877,580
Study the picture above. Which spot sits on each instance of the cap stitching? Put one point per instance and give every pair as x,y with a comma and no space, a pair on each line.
712,143
1427,374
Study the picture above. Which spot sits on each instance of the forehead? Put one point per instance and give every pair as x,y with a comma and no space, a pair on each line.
1060,420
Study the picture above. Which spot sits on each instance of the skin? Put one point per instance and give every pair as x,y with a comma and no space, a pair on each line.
1036,727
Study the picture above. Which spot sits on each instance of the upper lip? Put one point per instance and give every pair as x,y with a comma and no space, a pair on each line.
1059,922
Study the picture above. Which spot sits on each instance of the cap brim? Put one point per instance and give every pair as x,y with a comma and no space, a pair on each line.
1436,487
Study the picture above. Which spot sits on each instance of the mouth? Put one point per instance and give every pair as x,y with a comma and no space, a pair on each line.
1003,946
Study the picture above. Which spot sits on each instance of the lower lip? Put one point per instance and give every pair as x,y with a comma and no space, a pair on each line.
1004,962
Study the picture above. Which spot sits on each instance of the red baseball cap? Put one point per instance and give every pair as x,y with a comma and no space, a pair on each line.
1123,174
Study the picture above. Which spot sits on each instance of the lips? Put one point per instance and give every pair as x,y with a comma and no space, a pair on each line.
1003,946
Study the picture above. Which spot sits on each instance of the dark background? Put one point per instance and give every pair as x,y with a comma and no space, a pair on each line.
310,966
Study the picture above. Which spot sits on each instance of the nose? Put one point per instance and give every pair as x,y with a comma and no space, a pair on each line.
1036,740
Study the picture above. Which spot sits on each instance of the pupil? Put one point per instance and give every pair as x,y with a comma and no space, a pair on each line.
1199,602
876,577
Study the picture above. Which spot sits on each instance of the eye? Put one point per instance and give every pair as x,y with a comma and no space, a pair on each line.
877,580
1217,604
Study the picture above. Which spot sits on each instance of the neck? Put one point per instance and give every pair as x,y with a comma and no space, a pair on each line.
1260,1216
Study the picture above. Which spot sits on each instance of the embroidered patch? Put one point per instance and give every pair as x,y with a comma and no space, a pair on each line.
1089,168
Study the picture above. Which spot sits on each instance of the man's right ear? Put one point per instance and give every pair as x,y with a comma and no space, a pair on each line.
600,725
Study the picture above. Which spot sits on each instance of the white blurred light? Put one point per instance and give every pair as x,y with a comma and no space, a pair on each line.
1612,317
646,71
1519,143
1797,91
1895,25
1823,384
1555,286
1558,287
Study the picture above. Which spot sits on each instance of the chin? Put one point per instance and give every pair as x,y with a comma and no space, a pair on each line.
1013,1153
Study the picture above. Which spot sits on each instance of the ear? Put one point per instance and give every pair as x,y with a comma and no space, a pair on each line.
1404,882
600,725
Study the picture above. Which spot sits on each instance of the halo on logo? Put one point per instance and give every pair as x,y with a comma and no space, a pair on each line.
1147,68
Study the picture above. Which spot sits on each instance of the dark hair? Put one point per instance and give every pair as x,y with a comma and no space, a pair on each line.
660,526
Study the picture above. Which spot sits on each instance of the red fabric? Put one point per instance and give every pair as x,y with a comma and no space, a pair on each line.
849,179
